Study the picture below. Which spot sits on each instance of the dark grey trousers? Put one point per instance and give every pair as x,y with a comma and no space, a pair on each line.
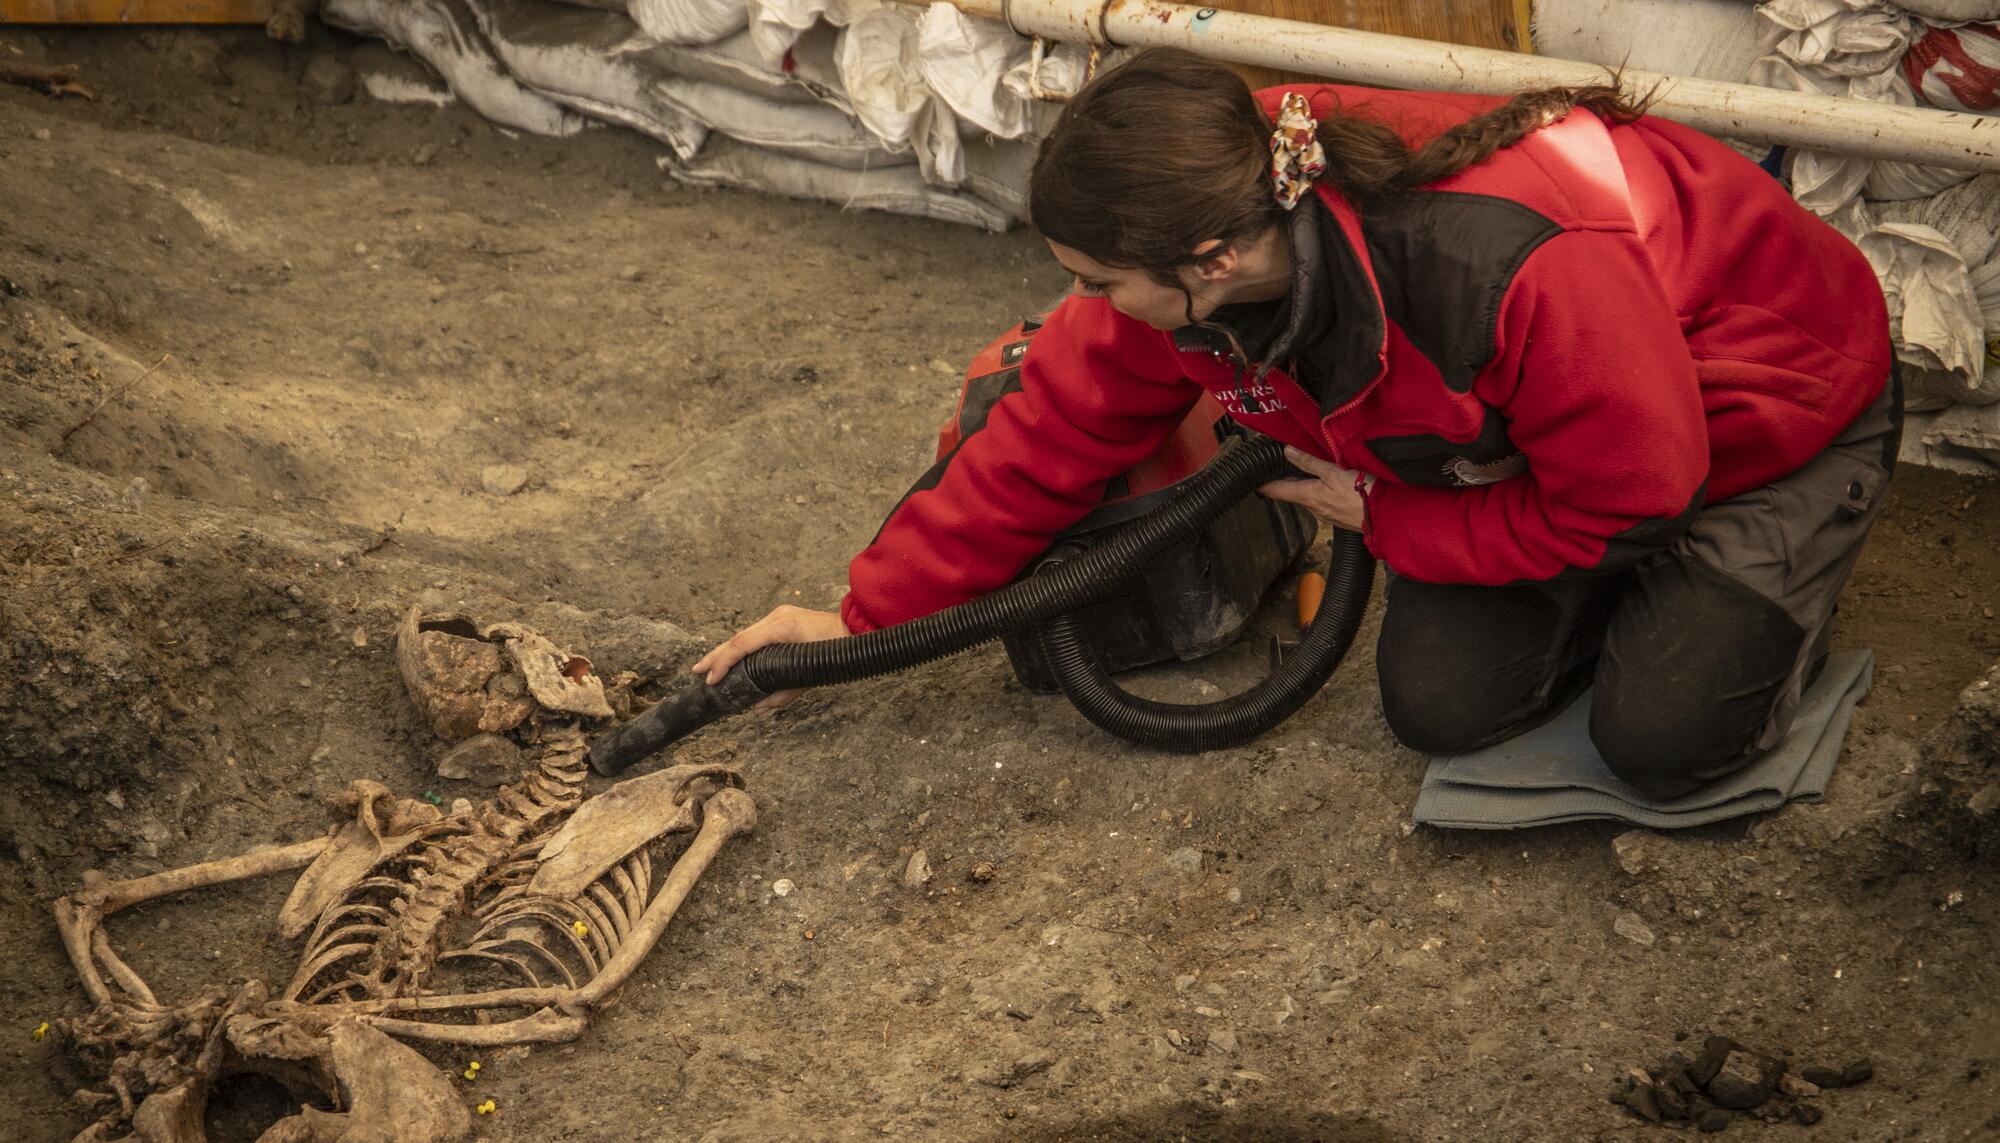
1698,654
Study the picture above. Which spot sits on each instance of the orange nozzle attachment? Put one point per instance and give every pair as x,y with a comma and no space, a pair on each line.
1312,586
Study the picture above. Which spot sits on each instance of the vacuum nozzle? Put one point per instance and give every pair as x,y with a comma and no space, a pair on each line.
672,719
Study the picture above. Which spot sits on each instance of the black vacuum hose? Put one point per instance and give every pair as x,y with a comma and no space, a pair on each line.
1239,467
1192,728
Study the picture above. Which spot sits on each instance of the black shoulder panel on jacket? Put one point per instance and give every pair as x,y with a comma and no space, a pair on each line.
1444,260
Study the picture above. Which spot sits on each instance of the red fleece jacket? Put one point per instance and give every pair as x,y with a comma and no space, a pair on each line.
1564,351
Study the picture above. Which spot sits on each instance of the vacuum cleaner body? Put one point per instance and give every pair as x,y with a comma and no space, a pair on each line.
1195,601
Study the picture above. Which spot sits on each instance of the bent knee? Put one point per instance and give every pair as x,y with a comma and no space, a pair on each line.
1434,718
1663,756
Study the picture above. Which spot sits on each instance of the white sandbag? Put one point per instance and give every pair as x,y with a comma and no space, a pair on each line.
1967,214
607,31
1933,312
808,75
680,21
777,25
571,55
1975,429
1957,69
1712,39
962,60
899,190
1986,289
997,170
1846,48
1922,445
1951,11
445,35
1061,72
1848,38
881,68
574,56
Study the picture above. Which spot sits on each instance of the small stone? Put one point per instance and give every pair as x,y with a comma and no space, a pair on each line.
1175,1038
1184,982
116,799
1860,1071
1223,1040
631,274
460,807
782,887
503,479
42,135
1186,859
1211,1013
918,872
305,684
360,637
1629,926
328,80
1807,1113
1633,850
982,872
424,154
296,593
488,759
1986,800
1644,1101
1713,1120
1744,1081
1821,1077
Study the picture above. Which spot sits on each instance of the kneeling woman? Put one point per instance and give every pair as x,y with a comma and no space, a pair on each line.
1607,402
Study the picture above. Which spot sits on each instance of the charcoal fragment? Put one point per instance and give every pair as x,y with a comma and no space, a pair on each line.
1714,1050
1673,1104
1806,1113
1743,1082
1822,1077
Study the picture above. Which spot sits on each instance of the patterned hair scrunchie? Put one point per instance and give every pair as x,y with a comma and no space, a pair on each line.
1296,156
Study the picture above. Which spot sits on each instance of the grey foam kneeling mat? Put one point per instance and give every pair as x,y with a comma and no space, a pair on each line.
1554,774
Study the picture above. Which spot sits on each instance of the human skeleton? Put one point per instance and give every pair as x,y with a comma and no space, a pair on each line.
505,923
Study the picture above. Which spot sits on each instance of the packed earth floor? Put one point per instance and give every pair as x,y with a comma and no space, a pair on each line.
257,350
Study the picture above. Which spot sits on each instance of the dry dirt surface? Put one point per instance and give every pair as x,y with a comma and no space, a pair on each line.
256,351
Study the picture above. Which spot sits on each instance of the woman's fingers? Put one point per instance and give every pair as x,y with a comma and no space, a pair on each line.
1332,500
785,624
1306,462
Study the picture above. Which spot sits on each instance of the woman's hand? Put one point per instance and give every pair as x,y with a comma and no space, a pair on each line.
1328,492
785,624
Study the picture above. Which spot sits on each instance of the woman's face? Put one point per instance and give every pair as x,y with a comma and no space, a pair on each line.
1133,292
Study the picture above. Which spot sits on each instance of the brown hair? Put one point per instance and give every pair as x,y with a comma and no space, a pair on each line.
1170,150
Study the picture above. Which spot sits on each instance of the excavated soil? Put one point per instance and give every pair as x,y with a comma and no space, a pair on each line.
255,352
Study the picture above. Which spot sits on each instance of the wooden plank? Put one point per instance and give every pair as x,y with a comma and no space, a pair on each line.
1501,24
134,11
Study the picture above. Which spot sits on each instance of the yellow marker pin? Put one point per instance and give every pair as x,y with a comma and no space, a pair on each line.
580,929
42,1030
486,1108
472,1070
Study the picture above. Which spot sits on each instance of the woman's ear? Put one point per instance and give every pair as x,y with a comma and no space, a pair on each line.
1215,261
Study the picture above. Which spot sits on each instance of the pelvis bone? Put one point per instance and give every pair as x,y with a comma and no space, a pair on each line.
506,924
